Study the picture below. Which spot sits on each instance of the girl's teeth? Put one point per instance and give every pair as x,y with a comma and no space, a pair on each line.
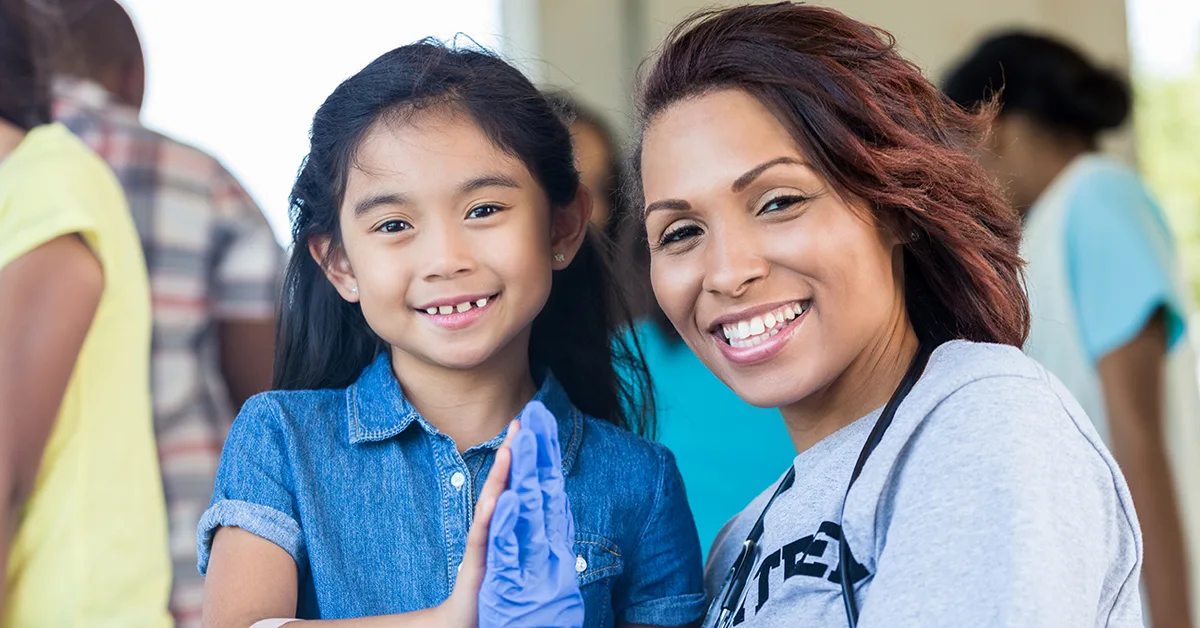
482,302
431,311
756,326
743,329
797,309
463,307
789,313
769,320
445,309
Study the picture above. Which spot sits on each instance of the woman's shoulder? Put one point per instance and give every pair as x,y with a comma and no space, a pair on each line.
992,407
996,387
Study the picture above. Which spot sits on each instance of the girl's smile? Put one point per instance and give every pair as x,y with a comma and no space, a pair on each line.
458,312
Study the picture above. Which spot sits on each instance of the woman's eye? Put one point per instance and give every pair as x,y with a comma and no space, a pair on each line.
393,226
483,211
679,234
781,203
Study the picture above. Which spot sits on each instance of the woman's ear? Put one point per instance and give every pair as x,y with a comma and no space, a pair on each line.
568,228
336,265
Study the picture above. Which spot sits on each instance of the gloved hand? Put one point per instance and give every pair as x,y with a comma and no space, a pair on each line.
530,580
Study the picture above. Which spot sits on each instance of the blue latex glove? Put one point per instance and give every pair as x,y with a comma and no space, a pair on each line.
530,580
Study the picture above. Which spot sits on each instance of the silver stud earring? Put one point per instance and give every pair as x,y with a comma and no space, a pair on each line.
914,235
560,258
354,290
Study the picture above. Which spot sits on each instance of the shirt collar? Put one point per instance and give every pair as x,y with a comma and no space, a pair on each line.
78,93
378,410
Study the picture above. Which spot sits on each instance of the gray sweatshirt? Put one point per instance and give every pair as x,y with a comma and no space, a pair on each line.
990,501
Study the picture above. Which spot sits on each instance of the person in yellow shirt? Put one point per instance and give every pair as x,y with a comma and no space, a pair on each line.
82,521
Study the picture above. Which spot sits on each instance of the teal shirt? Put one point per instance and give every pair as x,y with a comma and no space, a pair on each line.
727,450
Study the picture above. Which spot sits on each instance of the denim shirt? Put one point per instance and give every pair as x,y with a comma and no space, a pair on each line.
374,504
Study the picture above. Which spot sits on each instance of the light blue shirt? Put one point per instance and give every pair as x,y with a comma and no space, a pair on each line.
1120,260
727,450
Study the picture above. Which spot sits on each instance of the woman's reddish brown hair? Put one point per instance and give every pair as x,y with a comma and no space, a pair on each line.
872,125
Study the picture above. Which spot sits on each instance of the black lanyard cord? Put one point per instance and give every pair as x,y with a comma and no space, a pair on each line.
845,556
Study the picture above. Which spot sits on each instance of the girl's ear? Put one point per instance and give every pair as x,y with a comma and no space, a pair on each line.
336,265
568,228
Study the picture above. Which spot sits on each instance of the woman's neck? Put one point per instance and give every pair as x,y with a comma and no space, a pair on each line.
863,387
471,406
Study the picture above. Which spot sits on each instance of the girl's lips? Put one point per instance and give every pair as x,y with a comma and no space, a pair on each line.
459,320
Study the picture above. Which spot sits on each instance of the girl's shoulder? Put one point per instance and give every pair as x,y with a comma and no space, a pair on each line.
286,413
601,440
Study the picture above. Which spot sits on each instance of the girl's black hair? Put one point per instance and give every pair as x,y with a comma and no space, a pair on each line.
1045,79
324,341
27,31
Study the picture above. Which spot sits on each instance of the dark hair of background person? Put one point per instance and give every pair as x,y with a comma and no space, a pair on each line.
101,44
1045,79
878,131
28,30
325,342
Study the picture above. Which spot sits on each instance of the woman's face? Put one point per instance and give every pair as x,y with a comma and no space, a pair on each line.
775,281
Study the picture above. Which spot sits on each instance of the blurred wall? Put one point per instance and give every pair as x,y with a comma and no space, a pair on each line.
592,47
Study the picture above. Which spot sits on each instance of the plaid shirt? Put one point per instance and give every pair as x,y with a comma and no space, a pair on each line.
211,257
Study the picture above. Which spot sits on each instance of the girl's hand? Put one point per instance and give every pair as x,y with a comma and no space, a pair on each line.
460,610
531,579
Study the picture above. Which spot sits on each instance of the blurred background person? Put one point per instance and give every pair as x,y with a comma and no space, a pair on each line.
1108,302
598,156
213,262
723,469
82,526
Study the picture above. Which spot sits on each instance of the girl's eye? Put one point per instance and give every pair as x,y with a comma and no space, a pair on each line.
483,211
679,234
780,203
393,226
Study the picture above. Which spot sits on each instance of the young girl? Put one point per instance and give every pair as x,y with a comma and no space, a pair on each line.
442,279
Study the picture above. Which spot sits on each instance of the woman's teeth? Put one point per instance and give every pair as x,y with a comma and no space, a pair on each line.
753,331
461,307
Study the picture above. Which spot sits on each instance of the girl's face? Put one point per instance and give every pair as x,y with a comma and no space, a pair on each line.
448,242
776,282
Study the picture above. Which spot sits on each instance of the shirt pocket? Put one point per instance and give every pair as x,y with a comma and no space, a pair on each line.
597,564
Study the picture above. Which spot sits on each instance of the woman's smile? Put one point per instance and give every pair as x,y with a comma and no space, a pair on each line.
753,335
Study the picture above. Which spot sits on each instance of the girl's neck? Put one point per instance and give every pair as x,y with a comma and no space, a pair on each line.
863,387
471,406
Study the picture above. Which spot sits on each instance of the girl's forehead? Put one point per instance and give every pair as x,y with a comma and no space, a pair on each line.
431,146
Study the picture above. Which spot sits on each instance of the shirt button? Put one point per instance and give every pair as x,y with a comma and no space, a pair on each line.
458,479
580,564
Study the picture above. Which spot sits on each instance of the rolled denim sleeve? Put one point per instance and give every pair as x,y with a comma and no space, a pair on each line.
663,583
254,489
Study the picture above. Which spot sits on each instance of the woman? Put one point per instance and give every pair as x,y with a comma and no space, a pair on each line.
1108,306
721,471
823,240
82,523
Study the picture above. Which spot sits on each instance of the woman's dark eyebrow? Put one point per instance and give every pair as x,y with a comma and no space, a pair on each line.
670,203
746,179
